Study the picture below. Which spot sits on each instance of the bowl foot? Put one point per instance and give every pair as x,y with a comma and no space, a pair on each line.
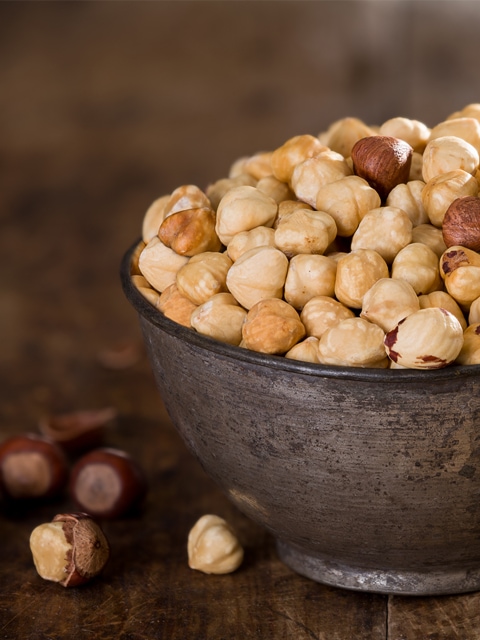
403,582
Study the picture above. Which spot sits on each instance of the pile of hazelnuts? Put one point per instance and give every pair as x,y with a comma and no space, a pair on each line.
68,456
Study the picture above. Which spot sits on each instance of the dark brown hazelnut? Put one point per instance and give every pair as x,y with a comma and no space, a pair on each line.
107,483
32,466
461,224
71,549
383,161
79,430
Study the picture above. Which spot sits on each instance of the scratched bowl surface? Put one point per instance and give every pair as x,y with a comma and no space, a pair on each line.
368,479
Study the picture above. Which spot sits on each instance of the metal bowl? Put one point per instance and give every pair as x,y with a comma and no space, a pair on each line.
368,479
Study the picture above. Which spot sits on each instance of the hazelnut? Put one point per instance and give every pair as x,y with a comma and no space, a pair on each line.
418,264
353,342
305,351
221,318
203,276
322,312
446,154
427,339
190,231
32,466
439,193
213,546
148,292
461,224
443,300
246,240
71,549
383,161
153,218
470,353
357,271
106,483
313,173
414,132
342,134
78,430
272,326
292,152
388,302
309,275
409,198
159,264
304,232
431,236
385,230
176,306
188,196
474,313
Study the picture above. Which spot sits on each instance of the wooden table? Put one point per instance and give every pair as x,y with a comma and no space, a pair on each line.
103,107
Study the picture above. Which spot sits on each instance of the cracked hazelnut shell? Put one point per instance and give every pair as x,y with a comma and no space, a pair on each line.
71,549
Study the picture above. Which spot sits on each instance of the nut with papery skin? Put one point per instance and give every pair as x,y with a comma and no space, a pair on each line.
272,326
71,549
383,161
78,430
32,467
427,339
213,546
107,482
461,224
190,231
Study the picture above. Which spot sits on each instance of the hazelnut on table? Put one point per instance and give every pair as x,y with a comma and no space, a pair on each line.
213,546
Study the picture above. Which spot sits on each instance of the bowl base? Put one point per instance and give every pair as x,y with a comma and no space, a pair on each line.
403,582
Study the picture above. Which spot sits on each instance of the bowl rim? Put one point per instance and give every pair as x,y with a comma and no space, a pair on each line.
147,311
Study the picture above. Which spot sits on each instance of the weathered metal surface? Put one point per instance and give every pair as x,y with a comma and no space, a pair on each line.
369,479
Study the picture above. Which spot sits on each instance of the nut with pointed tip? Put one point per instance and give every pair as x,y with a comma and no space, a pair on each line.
71,549
32,466
383,161
461,224
107,482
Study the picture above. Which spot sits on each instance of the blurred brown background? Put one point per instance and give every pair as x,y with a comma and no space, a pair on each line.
105,106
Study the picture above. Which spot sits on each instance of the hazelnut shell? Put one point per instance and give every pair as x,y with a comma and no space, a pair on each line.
106,483
383,161
461,224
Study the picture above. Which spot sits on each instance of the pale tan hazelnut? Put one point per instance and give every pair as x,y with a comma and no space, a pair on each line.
416,167
347,200
470,352
203,276
474,313
259,165
354,342
427,339
221,318
305,231
277,190
153,218
460,268
313,173
246,240
309,275
259,273
242,209
342,134
464,127
134,268
289,206
213,547
388,302
294,151
305,351
188,196
443,300
148,292
469,111
418,265
321,313
238,167
218,189
190,231
272,326
414,132
159,264
431,236
385,230
408,197
357,272
439,193
446,154
176,306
